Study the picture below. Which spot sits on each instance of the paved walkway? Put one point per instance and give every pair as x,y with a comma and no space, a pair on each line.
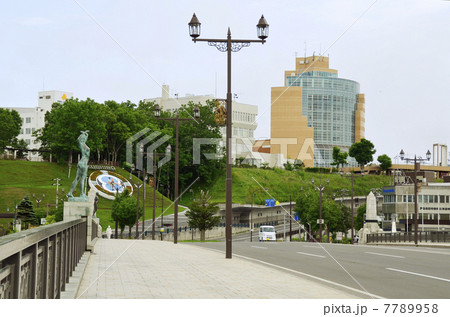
157,269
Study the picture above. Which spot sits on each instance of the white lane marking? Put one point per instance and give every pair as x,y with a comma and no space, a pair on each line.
418,274
300,273
394,256
320,256
396,247
258,247
307,275
311,246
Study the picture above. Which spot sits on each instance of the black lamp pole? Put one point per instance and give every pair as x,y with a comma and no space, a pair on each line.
320,188
416,161
228,45
177,121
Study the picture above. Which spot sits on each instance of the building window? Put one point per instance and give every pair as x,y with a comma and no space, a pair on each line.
27,131
27,141
28,120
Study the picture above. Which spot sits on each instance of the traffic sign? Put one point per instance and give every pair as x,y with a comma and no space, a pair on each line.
270,202
320,221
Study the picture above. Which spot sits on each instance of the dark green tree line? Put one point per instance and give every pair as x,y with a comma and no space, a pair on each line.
11,123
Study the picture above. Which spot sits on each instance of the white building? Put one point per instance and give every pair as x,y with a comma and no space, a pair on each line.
433,206
33,118
244,119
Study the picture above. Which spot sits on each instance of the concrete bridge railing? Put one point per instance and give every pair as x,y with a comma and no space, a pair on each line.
38,262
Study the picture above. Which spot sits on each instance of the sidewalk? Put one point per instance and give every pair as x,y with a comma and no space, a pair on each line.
131,269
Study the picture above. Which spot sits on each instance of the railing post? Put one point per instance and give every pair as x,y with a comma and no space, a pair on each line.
33,267
15,261
45,274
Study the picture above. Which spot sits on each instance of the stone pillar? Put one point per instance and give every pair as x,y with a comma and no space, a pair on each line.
76,209
371,224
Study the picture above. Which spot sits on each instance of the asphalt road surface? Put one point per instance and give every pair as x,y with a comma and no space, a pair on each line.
379,272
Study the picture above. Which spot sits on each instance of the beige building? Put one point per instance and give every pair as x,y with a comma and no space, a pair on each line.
244,118
314,111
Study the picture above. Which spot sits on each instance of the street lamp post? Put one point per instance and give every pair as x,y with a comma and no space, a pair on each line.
416,161
155,156
177,121
320,188
137,211
352,176
38,201
251,210
228,45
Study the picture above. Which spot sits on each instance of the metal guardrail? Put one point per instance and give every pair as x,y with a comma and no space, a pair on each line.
38,262
423,236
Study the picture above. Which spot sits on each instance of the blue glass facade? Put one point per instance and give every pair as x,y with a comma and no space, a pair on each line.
329,104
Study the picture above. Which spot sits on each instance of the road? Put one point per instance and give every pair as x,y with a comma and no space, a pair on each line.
387,272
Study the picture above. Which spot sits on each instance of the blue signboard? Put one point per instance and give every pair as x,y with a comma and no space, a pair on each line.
270,202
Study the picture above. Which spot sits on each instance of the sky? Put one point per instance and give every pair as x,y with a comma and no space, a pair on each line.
125,50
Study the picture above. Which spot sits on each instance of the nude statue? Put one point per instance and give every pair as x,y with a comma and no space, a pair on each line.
82,167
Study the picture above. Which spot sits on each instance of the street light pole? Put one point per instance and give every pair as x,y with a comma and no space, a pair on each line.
353,221
416,161
228,45
290,220
251,210
137,211
320,188
177,120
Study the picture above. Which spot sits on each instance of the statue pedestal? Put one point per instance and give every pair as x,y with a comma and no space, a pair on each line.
79,209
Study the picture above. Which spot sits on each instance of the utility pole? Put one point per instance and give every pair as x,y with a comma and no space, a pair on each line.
290,220
143,206
137,211
57,187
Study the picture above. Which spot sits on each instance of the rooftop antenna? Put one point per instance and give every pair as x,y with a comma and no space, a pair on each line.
305,50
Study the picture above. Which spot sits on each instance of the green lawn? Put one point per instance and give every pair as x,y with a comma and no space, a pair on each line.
282,184
22,178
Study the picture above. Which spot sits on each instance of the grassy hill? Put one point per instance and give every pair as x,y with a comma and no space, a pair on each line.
282,184
21,178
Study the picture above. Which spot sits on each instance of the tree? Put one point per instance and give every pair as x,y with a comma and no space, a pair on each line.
124,211
385,162
362,152
121,123
22,147
25,212
11,124
203,127
339,158
64,123
202,214
345,220
359,220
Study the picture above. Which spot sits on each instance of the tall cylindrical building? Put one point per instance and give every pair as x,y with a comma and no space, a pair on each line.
315,111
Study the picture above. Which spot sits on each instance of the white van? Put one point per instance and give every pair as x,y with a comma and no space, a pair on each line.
267,233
